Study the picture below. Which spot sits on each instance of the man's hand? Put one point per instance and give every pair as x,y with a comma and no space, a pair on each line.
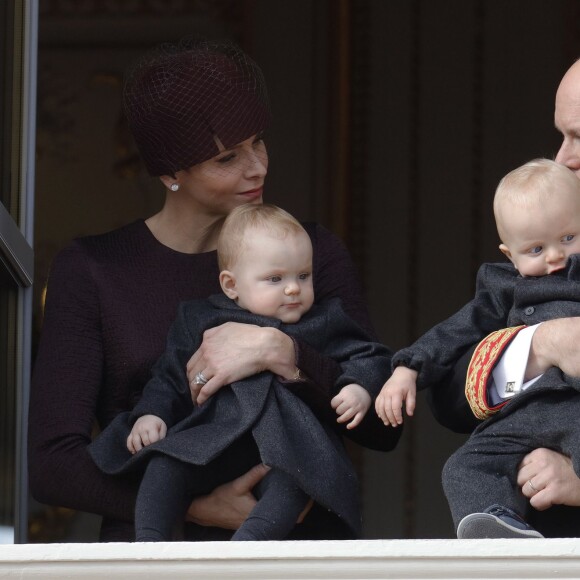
552,477
554,345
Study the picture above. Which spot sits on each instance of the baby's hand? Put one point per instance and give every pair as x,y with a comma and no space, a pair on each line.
351,404
146,430
401,387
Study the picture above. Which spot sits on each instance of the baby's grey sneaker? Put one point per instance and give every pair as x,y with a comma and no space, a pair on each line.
496,521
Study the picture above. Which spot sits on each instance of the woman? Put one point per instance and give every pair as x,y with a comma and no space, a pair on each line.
197,111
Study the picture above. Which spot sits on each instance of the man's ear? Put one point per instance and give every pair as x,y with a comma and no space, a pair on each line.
228,284
506,251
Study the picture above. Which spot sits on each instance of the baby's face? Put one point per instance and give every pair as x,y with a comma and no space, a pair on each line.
273,275
538,239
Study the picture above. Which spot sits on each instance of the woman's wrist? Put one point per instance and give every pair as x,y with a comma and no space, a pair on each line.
279,353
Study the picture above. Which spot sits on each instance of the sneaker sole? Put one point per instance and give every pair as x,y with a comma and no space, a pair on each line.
477,526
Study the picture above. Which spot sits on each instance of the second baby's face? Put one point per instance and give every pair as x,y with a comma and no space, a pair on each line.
539,238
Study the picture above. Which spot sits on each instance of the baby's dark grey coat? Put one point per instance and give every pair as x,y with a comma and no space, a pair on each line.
288,435
503,298
483,471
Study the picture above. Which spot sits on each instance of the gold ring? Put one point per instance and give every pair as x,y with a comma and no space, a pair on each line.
532,486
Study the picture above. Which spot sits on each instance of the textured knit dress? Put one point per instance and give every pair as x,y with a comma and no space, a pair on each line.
110,302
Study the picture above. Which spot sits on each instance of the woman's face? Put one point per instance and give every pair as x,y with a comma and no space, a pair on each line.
233,177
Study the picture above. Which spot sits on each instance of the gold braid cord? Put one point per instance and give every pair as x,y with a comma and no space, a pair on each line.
487,353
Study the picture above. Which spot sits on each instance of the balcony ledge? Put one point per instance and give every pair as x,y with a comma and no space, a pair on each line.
409,559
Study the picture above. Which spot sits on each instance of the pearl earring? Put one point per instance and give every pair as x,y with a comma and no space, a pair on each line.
174,186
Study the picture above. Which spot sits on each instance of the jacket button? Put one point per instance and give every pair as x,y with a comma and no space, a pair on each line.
529,310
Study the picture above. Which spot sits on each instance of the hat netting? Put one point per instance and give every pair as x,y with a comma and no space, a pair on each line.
179,98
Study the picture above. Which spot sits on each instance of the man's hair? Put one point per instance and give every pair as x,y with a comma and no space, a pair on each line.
271,218
534,182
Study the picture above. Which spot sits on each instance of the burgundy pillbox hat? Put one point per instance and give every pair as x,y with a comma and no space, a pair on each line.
180,97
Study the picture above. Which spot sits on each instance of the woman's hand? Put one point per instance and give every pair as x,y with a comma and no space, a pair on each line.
548,478
554,345
228,505
234,351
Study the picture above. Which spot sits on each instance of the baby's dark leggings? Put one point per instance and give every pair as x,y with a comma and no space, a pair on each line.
169,485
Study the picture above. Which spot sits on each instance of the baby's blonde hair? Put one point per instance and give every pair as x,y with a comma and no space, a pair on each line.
274,220
534,182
